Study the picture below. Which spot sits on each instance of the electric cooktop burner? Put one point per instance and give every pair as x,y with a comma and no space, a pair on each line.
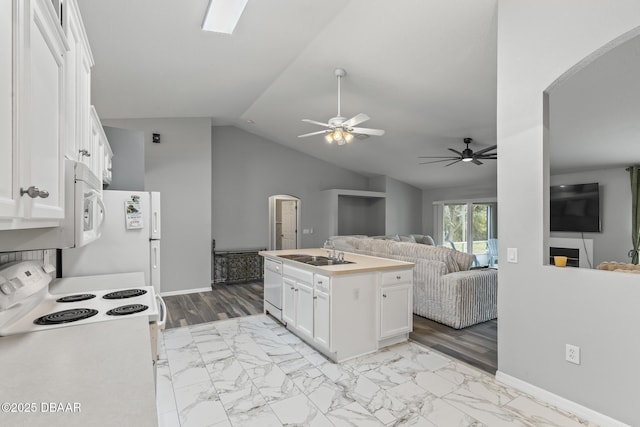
66,316
126,293
127,309
76,298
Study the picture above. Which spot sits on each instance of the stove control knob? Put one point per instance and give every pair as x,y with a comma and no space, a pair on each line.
6,287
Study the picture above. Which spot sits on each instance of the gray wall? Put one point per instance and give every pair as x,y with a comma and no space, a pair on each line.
477,190
614,241
403,208
542,308
247,169
180,168
128,158
361,215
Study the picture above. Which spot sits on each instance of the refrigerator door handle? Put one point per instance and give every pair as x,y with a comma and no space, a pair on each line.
163,312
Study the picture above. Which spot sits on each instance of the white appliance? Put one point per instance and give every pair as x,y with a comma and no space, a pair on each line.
130,239
27,306
88,208
273,288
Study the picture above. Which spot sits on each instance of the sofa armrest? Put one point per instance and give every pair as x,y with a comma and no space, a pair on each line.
470,297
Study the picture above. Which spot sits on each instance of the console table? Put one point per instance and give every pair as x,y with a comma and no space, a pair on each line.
235,265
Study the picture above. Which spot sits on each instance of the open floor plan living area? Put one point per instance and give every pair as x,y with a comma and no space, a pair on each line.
241,213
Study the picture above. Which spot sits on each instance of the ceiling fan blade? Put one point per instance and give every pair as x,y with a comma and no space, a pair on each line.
316,123
476,161
484,150
487,157
455,151
436,161
356,120
313,133
366,131
453,163
437,157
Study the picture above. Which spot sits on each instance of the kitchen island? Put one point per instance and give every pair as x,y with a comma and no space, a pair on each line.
344,309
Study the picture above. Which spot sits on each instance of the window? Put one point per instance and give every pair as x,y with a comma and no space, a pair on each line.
468,227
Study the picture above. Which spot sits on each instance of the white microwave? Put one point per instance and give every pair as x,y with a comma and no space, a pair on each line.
88,209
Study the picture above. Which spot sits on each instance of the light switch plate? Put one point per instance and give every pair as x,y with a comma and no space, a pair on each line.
512,255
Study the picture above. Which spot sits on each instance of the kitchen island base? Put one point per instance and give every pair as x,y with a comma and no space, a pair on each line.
345,310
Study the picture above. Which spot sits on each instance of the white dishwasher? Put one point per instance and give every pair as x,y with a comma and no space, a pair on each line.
273,288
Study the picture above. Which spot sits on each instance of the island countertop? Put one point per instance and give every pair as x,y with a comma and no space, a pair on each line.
360,263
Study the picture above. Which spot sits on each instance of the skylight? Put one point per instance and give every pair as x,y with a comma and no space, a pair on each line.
223,15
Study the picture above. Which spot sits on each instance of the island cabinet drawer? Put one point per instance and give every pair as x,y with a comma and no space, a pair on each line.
297,273
397,276
273,266
321,283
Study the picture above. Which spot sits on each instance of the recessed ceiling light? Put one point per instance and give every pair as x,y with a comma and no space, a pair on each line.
223,15
250,121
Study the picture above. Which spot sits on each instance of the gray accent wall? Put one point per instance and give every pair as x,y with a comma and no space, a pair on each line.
403,208
180,169
542,308
247,169
614,241
128,158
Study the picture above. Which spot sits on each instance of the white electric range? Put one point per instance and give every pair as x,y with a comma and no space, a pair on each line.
26,305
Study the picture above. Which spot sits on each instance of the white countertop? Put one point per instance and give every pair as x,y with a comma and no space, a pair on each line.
104,367
361,263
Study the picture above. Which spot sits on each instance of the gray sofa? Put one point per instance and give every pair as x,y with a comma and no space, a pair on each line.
444,287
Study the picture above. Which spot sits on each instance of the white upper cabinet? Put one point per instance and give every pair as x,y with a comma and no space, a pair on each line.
41,110
8,198
45,110
32,113
79,63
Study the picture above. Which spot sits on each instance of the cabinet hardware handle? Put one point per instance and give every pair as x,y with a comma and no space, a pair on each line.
398,277
384,295
297,290
315,297
291,287
320,282
34,192
84,153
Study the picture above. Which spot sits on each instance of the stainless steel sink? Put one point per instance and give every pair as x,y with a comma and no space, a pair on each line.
314,259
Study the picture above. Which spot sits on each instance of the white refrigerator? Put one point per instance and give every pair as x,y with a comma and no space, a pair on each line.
130,240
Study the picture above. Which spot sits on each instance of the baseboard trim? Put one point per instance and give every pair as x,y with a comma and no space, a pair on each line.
184,291
559,401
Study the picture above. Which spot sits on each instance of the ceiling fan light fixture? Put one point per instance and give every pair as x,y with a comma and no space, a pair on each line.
329,137
222,16
348,137
467,159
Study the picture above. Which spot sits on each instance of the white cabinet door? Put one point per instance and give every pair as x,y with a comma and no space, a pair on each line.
321,320
8,194
304,308
79,62
289,300
396,315
41,114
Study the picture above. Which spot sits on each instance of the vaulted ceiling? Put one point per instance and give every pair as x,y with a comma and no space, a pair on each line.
423,70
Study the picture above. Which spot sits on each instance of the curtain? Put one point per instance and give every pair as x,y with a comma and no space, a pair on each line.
634,172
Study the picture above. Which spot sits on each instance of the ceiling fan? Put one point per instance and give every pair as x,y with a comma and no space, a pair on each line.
339,129
467,155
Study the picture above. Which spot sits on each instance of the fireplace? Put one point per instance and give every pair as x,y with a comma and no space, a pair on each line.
579,252
573,255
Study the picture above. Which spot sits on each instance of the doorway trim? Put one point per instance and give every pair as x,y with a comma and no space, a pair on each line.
272,219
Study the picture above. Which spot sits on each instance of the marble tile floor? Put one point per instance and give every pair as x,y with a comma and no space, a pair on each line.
251,371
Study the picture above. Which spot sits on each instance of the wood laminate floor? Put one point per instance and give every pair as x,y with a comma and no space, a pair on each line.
475,345
222,302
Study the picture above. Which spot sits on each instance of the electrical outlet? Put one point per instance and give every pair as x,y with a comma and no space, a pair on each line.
572,354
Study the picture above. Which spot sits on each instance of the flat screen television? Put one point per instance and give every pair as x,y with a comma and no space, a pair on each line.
575,207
